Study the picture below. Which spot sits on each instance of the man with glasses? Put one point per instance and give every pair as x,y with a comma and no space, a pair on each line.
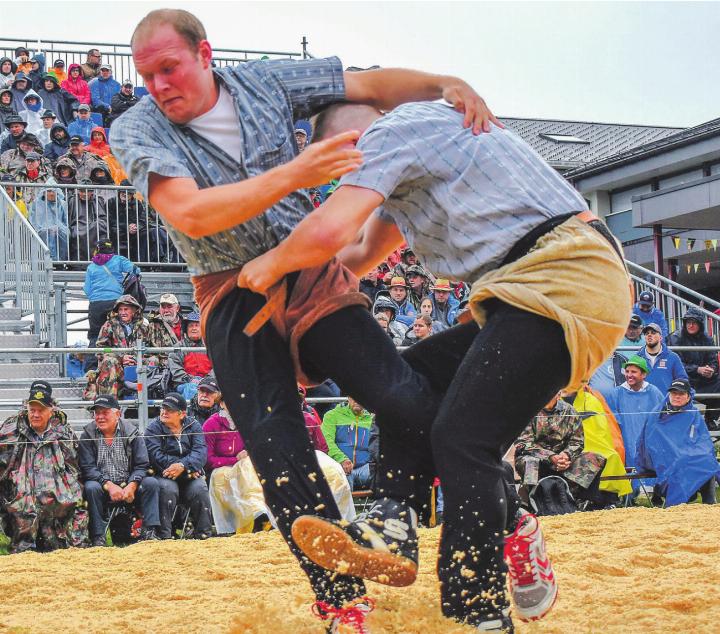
91,67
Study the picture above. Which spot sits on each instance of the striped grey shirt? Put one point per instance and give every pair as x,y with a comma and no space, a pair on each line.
461,201
269,96
113,461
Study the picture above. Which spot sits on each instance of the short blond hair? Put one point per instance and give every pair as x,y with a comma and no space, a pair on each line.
186,25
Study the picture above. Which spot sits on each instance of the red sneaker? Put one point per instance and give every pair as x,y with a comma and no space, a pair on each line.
530,573
347,620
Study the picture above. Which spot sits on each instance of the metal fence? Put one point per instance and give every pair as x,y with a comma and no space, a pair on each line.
26,269
674,299
120,57
72,218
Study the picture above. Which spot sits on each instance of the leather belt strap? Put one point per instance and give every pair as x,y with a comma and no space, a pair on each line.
587,216
276,300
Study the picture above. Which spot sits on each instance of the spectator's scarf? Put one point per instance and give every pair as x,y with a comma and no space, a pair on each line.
101,259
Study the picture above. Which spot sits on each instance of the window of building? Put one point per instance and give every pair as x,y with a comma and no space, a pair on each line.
679,179
564,138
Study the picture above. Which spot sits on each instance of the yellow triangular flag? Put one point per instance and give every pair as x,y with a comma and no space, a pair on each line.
676,242
695,267
708,245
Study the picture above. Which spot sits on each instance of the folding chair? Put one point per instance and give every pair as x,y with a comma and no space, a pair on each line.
362,500
186,525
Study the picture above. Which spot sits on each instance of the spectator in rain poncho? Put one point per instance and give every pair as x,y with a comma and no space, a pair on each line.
49,217
676,445
31,114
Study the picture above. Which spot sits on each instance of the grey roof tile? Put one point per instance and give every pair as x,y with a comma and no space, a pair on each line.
603,139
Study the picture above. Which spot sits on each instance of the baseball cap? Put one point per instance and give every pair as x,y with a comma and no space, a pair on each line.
638,362
636,321
127,82
58,62
653,327
208,383
48,114
680,385
32,156
174,401
168,298
646,297
41,396
107,401
41,385
84,107
75,140
105,67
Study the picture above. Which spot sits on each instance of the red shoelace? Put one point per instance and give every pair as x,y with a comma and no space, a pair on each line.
520,565
351,615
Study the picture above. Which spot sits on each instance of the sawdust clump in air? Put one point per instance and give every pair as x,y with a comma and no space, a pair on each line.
640,570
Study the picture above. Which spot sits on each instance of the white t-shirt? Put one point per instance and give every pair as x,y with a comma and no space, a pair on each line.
221,126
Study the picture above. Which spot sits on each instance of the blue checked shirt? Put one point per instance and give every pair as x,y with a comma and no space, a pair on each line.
461,201
269,96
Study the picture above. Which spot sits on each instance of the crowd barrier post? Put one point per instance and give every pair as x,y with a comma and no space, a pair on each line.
142,393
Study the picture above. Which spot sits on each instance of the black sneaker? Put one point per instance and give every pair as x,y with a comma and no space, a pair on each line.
380,545
98,542
148,535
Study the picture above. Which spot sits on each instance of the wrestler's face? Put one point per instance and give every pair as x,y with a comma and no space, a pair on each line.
678,398
179,79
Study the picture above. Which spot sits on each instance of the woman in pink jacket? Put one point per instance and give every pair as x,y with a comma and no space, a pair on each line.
76,85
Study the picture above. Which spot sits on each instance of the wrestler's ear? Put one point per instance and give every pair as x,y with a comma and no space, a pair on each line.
205,53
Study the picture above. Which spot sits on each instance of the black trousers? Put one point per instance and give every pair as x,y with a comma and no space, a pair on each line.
257,380
494,381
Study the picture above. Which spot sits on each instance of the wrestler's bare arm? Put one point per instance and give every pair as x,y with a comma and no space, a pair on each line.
376,240
315,240
202,212
389,87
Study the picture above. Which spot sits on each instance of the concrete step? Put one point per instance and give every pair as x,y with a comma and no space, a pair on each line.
7,393
19,341
29,370
15,325
10,313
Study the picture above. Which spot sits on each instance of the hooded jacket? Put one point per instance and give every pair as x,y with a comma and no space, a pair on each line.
19,94
396,329
101,148
445,314
82,128
654,316
7,79
693,360
6,110
31,114
63,161
405,312
133,444
120,103
102,92
60,101
78,88
50,221
668,367
83,164
347,435
104,283
56,148
632,410
677,446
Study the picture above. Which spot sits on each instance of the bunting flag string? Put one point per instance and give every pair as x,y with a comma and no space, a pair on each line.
708,245
696,266
691,243
689,268
714,243
707,267
676,242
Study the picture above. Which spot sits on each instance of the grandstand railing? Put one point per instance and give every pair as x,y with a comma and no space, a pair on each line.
73,244
141,400
674,299
119,56
26,270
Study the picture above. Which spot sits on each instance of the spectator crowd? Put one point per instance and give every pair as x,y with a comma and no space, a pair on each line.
189,472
